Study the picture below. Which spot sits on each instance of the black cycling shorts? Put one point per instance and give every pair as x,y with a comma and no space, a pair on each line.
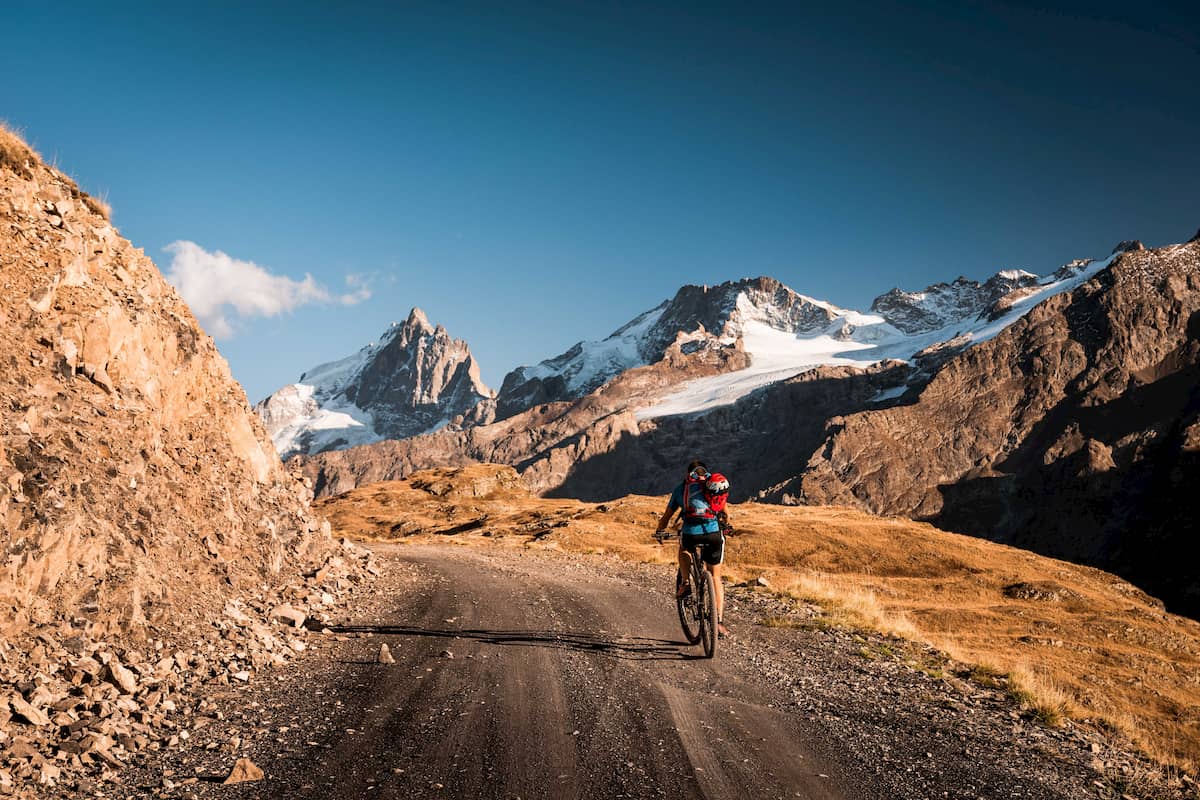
711,546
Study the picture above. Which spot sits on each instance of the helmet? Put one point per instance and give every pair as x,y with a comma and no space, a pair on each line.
717,483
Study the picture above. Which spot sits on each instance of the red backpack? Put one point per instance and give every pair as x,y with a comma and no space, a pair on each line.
716,492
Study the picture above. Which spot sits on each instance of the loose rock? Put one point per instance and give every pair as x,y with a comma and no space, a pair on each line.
243,771
120,676
286,613
27,712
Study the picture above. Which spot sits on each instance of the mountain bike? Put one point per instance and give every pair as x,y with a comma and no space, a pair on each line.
698,606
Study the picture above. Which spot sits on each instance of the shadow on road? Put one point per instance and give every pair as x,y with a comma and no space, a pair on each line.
636,648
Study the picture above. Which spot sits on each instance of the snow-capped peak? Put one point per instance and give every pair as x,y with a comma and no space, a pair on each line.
414,379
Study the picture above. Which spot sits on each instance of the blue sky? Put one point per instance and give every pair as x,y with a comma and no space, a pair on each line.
534,174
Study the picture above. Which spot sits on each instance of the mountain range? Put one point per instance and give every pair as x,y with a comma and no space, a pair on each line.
416,379
993,408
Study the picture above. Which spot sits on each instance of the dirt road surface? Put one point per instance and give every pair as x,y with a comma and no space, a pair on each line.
562,685
524,675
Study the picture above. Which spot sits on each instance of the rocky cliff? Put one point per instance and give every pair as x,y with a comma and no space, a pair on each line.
148,532
135,484
414,380
1074,433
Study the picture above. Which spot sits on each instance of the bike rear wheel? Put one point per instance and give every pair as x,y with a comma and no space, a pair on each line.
706,599
688,618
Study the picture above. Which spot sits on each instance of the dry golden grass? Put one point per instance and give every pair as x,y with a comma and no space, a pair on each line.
848,604
1040,694
1093,648
18,156
97,205
15,154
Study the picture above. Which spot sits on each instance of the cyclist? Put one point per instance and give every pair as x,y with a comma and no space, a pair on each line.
701,530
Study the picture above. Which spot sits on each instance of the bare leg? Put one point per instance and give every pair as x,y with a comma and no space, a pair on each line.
718,590
685,566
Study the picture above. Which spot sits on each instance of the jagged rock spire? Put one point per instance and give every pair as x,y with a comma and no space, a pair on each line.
415,379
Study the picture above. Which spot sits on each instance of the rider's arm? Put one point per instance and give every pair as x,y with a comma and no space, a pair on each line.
673,505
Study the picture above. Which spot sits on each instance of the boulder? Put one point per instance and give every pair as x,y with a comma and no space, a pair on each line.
96,742
235,613
244,771
29,713
120,676
288,614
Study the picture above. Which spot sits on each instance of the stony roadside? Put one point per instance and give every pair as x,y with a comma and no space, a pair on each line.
290,713
917,716
915,719
81,718
911,714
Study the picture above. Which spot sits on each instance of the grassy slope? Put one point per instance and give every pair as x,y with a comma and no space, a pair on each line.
1102,650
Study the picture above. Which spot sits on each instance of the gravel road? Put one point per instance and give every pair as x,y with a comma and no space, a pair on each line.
522,674
563,683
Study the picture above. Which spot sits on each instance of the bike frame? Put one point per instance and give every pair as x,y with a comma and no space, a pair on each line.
700,605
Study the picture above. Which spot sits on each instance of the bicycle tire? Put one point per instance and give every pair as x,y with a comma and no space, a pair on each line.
687,615
708,615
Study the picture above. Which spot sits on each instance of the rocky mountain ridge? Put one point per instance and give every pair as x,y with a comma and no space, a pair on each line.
760,313
942,304
415,379
546,440
697,316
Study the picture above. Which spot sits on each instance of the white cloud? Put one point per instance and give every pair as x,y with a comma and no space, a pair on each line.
360,290
218,287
